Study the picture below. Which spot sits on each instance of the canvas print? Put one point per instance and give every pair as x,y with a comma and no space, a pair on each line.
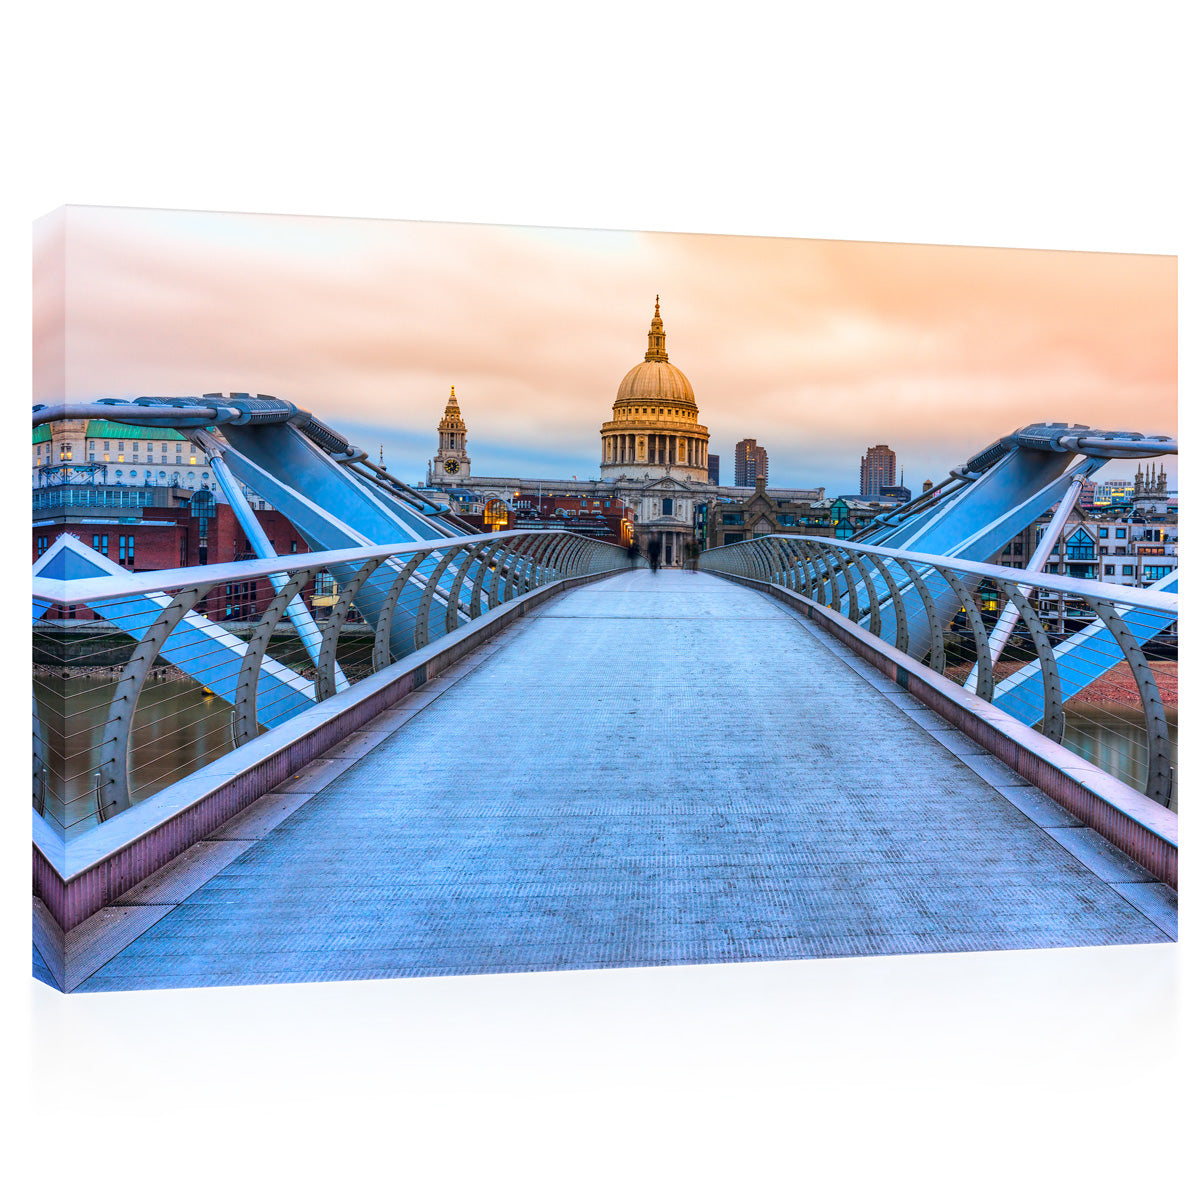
416,598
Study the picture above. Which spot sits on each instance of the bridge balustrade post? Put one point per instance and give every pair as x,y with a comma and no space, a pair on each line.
794,554
757,558
559,553
842,558
1158,738
327,660
779,554
489,564
898,610
985,684
535,556
113,788
513,566
869,586
516,566
580,557
937,642
816,581
532,556
1054,721
480,552
826,574
381,652
244,717
421,632
804,559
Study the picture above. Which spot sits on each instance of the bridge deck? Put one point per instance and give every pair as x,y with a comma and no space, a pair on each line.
649,770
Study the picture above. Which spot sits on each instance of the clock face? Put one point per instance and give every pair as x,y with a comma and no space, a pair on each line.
450,466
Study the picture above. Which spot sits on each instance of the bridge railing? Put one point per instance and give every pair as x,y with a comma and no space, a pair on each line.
141,678
1090,665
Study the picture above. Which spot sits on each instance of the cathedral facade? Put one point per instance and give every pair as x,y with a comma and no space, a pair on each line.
653,457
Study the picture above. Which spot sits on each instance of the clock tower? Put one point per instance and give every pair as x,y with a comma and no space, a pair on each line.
452,464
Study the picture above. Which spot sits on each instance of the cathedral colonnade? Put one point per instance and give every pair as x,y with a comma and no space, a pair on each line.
655,449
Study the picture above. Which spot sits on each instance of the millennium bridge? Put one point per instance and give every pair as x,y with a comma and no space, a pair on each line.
526,751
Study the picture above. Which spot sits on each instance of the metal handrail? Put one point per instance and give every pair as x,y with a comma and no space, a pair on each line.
162,615
80,591
937,588
1153,599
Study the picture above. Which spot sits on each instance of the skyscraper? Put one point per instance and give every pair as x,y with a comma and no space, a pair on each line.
714,469
878,470
749,461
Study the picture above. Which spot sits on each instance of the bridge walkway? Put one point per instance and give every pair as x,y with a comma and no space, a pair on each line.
652,769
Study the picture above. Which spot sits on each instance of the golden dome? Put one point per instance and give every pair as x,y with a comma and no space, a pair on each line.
655,378
656,381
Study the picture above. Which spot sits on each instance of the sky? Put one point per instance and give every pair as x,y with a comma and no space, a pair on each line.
818,349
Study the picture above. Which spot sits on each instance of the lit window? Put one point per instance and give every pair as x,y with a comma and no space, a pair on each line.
120,458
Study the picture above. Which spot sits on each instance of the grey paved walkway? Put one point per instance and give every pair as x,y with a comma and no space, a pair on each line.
652,769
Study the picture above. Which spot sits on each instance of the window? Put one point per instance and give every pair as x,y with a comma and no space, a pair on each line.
125,551
120,445
1155,572
1102,532
1122,532
1079,545
100,543
731,519
43,544
1109,569
293,547
164,447
107,446
1127,569
668,508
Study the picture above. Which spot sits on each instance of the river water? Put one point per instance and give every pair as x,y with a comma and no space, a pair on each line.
180,727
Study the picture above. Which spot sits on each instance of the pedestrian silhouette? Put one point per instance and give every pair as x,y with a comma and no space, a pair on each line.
654,550
633,552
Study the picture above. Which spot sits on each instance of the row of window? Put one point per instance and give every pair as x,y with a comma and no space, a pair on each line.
124,547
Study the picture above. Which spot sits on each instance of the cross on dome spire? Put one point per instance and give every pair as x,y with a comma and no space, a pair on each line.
657,349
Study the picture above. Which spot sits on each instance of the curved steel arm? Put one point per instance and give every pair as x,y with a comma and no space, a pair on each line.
983,652
115,792
1054,721
937,643
1158,738
327,663
244,718
421,632
381,652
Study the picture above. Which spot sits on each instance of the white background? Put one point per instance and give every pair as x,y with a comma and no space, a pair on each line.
1048,125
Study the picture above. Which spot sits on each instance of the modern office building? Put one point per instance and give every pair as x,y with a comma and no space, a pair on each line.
749,462
877,471
714,469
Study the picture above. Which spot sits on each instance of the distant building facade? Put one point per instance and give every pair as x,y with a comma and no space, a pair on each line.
714,469
749,462
877,470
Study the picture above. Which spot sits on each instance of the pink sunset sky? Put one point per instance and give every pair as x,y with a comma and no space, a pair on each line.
818,349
